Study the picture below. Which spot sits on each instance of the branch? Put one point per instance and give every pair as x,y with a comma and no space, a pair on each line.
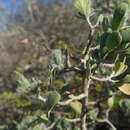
75,69
73,120
40,97
108,122
90,24
73,98
106,79
85,104
49,127
108,65
94,48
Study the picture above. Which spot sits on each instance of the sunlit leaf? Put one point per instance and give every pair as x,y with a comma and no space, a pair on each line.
126,51
76,106
119,69
111,102
83,7
44,117
93,114
125,88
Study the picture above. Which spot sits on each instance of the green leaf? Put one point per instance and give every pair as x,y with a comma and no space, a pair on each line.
53,98
119,69
125,106
125,33
76,106
44,117
3,126
93,114
126,51
111,102
105,24
119,15
103,38
100,19
83,7
113,41
59,83
25,85
37,127
126,79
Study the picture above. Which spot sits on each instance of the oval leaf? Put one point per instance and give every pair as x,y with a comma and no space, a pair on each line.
125,88
76,106
53,98
113,41
119,15
83,7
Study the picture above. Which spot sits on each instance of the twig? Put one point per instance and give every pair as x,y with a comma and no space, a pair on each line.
73,120
51,126
40,97
108,65
94,48
71,69
108,122
86,52
106,79
73,98
59,112
126,27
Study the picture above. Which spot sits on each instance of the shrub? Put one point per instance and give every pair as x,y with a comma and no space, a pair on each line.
87,84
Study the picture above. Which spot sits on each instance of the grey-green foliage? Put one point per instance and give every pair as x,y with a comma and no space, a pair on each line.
83,7
93,114
57,59
27,123
125,106
25,85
